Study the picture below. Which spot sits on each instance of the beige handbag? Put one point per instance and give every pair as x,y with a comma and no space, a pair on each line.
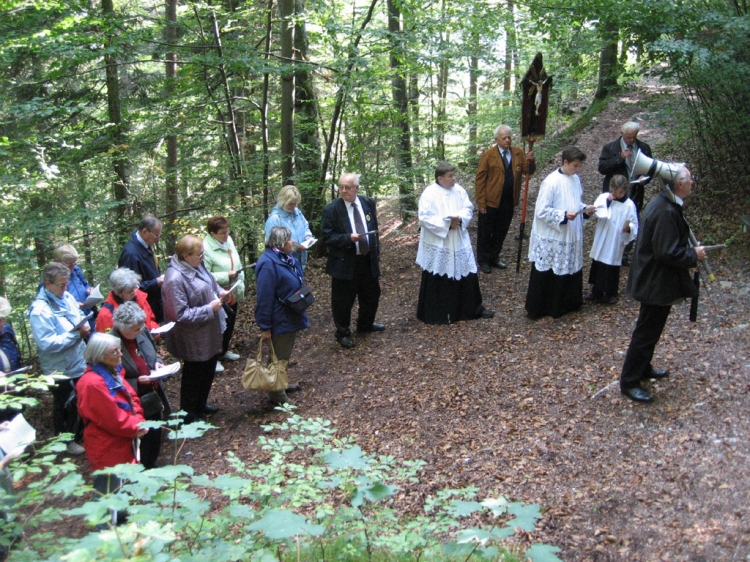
265,378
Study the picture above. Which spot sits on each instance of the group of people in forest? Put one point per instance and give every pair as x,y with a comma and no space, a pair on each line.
108,358
659,269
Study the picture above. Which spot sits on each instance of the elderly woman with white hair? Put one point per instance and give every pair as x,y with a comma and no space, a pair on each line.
110,409
123,287
78,285
139,358
287,213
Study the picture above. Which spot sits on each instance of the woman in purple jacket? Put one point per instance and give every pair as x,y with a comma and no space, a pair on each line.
278,276
193,300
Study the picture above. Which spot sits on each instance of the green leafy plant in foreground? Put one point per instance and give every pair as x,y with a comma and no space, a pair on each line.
314,497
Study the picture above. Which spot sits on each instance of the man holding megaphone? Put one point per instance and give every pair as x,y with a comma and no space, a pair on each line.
659,278
619,157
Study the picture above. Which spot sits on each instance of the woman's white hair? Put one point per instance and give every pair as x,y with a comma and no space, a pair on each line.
98,346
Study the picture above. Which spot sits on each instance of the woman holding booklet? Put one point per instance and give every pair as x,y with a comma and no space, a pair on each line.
139,360
223,261
287,213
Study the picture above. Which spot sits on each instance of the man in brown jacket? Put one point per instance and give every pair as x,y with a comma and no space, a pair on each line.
498,189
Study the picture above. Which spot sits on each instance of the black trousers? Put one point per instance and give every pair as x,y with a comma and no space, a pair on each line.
197,378
492,229
365,288
65,421
227,336
647,332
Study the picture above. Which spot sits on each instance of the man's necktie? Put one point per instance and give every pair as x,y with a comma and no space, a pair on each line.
364,245
505,158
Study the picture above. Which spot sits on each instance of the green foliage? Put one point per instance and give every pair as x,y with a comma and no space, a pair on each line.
315,496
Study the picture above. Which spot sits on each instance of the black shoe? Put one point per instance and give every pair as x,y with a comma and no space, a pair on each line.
209,409
346,342
608,300
500,264
292,388
590,297
487,313
373,328
657,374
638,394
485,268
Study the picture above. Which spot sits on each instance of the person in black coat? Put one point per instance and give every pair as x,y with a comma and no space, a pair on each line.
618,157
350,226
138,255
659,277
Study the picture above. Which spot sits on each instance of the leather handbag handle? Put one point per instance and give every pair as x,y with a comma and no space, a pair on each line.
270,349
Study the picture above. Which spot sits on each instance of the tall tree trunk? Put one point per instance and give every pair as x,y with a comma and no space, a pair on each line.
286,10
442,91
511,54
308,152
343,91
117,137
471,110
264,108
415,128
608,70
407,199
172,180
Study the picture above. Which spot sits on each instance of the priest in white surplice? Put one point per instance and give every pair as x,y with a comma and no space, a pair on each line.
450,286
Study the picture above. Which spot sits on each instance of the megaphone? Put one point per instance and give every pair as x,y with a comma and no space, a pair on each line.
645,166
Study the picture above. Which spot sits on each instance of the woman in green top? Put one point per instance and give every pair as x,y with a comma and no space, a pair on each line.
223,261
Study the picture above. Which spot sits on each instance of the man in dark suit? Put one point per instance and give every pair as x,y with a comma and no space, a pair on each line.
138,255
498,190
618,157
350,226
659,277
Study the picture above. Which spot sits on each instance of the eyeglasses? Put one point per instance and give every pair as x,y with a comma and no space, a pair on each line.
152,233
115,352
348,187
71,264
62,285
200,256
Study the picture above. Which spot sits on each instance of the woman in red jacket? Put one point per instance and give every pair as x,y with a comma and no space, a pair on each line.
110,409
123,287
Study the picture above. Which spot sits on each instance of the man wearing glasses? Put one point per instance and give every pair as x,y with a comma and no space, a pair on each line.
350,231
138,255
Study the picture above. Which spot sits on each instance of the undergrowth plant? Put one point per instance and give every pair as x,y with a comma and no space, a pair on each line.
315,496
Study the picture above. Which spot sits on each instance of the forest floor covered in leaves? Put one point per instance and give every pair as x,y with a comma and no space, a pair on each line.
507,404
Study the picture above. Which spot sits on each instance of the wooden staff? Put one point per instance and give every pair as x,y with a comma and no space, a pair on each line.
523,210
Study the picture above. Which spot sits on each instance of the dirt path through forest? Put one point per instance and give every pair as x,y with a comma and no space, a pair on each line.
506,404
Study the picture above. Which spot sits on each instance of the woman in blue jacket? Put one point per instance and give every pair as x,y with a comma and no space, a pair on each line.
278,276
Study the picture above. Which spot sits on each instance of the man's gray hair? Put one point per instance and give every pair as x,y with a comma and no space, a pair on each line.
279,236
128,315
98,346
52,271
630,126
349,175
149,222
123,279
682,174
500,128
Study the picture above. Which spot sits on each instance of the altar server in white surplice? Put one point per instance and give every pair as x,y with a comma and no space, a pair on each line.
616,227
450,286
